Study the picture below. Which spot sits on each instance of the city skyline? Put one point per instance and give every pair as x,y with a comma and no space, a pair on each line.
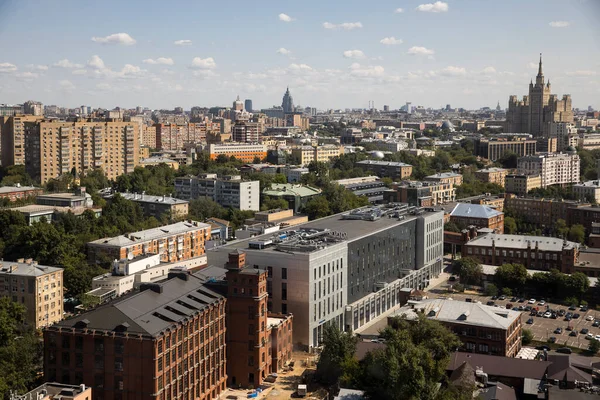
76,53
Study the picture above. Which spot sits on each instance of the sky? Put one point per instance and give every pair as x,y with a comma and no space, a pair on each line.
331,53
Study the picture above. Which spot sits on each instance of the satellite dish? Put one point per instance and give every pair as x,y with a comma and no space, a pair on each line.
130,256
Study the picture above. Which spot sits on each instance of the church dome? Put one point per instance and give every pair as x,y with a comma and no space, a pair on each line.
448,125
571,148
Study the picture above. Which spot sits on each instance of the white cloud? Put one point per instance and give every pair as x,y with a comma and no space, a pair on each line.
559,24
203,63
285,18
437,7
284,51
583,73
398,10
159,60
356,54
66,85
300,67
27,76
489,70
206,73
66,64
348,26
420,51
453,71
79,72
129,69
532,65
115,38
366,71
7,67
183,42
390,41
96,62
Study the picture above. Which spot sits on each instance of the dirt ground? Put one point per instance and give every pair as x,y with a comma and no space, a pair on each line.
286,384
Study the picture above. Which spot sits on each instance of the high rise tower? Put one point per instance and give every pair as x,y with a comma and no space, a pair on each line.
238,105
288,102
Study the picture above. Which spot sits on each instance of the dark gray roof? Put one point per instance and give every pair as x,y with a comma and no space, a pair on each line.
497,391
150,311
467,210
500,366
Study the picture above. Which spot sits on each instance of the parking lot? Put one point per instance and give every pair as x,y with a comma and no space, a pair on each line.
543,328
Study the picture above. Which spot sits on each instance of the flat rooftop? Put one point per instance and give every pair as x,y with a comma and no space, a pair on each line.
522,241
70,196
151,234
12,189
383,163
25,269
146,198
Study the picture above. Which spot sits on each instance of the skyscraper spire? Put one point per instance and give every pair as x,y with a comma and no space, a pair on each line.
540,68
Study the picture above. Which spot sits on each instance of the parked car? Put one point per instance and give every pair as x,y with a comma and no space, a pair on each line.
547,314
564,350
552,339
540,313
490,303
585,331
528,308
494,297
589,318
596,324
575,316
561,312
583,308
521,300
542,303
590,335
502,297
573,308
530,321
521,308
531,301
569,315
514,299
573,333
597,337
558,331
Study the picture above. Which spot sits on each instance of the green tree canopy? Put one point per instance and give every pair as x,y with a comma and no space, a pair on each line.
338,349
469,270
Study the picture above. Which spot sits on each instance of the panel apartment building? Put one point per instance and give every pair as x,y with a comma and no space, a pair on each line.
553,168
165,342
38,287
345,269
228,191
176,242
50,148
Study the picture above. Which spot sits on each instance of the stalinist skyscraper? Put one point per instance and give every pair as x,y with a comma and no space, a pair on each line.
288,102
539,109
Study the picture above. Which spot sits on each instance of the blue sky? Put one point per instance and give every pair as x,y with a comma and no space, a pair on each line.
332,53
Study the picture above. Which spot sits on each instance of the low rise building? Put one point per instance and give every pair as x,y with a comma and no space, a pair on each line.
492,175
269,221
18,192
521,184
495,202
38,287
304,155
158,206
480,216
158,160
142,346
553,168
229,191
78,199
369,186
246,152
58,391
421,194
534,252
36,213
588,191
480,328
294,175
296,195
495,148
540,211
176,242
594,238
395,170
446,177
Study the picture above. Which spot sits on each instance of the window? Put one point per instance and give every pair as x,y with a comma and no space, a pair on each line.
269,272
284,291
283,273
284,308
250,329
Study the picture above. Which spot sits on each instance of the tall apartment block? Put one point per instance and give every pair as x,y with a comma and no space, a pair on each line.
38,287
228,191
175,242
165,342
176,136
345,269
553,168
51,148
247,132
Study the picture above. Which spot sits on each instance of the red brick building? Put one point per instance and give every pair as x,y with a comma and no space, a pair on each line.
165,342
480,216
14,193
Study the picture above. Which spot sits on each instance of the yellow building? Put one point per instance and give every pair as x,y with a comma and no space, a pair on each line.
303,155
521,184
54,148
12,131
39,288
492,175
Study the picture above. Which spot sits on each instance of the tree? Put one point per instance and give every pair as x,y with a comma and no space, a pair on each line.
468,269
338,348
507,291
272,203
491,290
513,276
204,208
509,160
510,225
594,347
317,207
577,233
527,337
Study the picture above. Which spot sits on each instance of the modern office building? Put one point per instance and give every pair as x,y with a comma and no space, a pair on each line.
495,148
248,105
229,191
481,329
421,194
344,269
158,206
480,216
492,175
38,287
176,242
535,111
245,152
534,252
521,184
553,168
165,342
387,169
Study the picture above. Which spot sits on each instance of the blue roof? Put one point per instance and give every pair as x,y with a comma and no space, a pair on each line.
474,211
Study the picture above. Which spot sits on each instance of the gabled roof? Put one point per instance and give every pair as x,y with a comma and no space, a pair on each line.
563,370
501,366
467,210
